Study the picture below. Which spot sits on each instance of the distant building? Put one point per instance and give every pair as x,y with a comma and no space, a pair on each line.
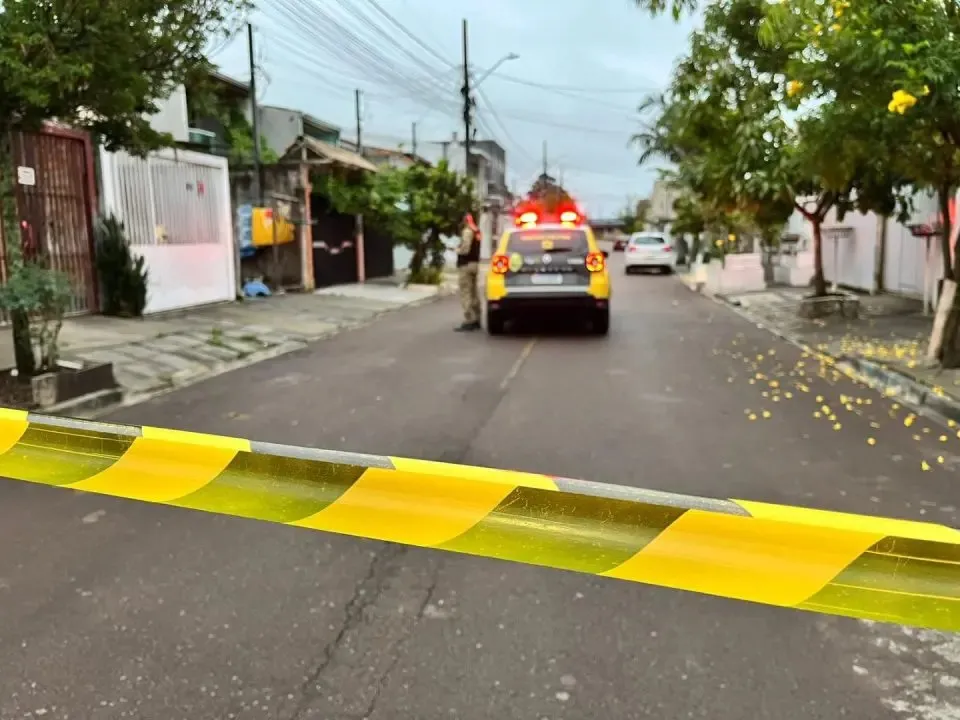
662,198
281,127
385,157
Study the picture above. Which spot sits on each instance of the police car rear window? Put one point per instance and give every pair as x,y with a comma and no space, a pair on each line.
526,241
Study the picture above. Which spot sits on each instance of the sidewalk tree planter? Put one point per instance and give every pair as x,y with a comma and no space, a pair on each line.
814,307
71,382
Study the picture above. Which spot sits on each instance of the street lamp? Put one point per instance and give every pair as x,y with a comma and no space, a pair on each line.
498,63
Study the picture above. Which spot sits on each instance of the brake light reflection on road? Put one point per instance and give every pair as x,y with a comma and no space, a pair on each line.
595,262
500,264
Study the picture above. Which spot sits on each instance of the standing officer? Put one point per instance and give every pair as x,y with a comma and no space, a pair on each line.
468,270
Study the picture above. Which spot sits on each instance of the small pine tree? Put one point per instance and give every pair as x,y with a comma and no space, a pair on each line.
123,276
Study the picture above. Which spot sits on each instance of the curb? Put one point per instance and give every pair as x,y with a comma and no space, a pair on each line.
94,406
907,389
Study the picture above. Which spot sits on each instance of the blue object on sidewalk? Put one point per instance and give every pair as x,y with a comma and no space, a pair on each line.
255,288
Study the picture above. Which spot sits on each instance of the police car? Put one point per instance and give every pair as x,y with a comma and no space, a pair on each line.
548,263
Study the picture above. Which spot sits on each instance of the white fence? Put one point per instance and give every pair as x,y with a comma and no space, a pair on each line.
175,206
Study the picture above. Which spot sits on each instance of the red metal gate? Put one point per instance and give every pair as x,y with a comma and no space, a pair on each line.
56,211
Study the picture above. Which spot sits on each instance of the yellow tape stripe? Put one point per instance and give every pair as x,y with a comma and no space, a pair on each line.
746,558
413,508
794,557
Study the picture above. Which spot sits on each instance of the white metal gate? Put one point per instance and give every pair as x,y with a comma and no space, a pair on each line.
175,206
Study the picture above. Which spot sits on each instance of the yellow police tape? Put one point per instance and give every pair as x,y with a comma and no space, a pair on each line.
865,567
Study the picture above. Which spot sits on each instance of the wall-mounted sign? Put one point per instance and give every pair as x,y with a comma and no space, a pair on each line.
26,176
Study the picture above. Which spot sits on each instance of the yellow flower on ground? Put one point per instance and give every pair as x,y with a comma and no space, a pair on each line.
817,29
926,90
794,87
835,27
901,102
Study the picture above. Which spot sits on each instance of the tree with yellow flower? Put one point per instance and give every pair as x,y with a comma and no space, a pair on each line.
741,130
897,64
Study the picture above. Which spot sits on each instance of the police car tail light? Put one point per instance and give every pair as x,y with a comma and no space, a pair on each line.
595,262
569,216
500,264
527,218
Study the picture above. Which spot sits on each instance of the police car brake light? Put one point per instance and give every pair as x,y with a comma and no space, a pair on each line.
500,264
527,218
569,216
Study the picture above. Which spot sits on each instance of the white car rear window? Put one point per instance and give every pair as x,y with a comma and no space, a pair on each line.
647,240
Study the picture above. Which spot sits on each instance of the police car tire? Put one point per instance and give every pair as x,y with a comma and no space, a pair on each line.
495,323
601,322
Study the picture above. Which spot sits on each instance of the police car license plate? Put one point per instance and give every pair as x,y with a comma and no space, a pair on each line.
546,279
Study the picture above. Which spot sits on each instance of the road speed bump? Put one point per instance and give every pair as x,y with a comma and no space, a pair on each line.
857,566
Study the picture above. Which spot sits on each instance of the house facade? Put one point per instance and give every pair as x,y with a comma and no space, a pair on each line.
175,206
852,250
281,127
662,198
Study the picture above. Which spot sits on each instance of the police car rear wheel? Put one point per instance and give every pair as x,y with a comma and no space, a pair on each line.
495,323
601,322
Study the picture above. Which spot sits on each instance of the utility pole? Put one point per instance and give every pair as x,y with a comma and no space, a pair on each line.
413,137
255,113
467,101
356,103
361,266
544,158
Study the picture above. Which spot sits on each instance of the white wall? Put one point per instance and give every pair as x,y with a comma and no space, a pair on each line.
905,254
175,206
172,116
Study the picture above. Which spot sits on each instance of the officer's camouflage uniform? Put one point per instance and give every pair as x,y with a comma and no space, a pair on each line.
468,270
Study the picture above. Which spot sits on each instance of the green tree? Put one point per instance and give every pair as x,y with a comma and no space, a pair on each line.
100,65
548,192
416,206
736,124
897,63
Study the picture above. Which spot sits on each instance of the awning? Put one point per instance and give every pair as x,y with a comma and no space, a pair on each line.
317,150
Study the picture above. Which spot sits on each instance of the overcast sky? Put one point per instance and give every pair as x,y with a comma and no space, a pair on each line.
601,57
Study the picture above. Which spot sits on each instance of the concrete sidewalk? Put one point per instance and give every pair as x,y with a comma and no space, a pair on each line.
885,346
156,353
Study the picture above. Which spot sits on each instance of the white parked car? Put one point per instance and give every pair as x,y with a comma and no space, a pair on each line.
650,250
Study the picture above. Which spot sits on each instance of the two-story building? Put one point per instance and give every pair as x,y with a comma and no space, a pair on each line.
281,127
662,199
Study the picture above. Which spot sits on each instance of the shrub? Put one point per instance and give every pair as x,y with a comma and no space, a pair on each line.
123,276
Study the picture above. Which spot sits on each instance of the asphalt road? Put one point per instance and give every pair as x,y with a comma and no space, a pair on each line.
112,609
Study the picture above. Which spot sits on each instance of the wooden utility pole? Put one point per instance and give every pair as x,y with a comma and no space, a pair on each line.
255,120
361,266
413,137
467,101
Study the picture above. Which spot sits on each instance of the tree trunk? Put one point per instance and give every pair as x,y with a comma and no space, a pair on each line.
819,281
945,343
418,258
13,253
943,196
881,256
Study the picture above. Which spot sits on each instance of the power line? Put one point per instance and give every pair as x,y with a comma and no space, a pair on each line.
397,24
573,88
328,33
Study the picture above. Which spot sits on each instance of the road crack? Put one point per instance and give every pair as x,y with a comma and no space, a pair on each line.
365,594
